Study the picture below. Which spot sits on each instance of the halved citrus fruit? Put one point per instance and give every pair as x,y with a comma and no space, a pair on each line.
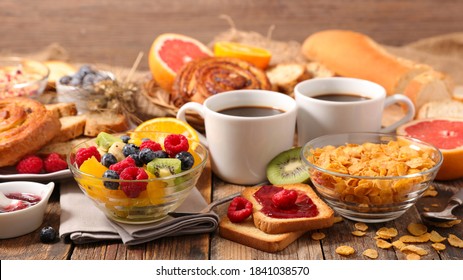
447,135
168,125
258,56
169,52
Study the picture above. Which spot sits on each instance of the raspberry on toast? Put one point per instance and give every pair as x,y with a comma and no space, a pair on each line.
324,218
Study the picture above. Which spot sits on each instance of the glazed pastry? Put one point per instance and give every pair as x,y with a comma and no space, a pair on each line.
201,78
25,127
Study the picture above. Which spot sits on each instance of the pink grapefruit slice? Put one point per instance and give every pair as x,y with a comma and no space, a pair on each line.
447,135
169,52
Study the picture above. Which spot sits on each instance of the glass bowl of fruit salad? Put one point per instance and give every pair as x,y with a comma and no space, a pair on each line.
22,77
137,177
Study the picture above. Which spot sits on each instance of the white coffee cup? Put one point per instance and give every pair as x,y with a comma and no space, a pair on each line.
316,117
242,146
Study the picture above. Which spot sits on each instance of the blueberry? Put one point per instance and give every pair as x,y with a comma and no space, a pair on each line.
84,70
88,79
186,158
108,159
136,158
47,234
65,80
125,138
130,149
111,174
75,81
161,154
146,155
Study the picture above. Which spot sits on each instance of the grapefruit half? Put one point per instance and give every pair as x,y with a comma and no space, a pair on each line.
444,133
169,52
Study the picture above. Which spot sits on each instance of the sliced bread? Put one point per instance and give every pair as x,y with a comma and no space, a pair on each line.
324,218
247,234
428,86
71,127
285,76
441,109
105,122
61,148
62,109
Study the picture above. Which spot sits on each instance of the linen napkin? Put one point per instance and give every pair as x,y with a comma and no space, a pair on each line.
83,222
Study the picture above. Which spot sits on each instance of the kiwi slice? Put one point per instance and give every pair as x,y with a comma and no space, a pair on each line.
105,140
163,167
287,168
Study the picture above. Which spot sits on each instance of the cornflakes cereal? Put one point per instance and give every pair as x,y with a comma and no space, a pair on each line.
415,239
383,244
438,246
386,233
361,226
370,253
345,250
395,158
318,236
436,237
431,193
358,233
417,229
448,224
398,244
338,219
414,249
455,241
413,257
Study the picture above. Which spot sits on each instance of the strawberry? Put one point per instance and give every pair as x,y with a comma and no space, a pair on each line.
284,199
239,209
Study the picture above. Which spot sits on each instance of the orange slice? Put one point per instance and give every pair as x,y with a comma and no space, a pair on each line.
258,56
169,52
168,125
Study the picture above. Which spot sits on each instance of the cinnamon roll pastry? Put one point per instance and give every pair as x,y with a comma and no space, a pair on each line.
25,127
201,78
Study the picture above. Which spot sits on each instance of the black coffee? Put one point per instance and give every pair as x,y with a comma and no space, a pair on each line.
340,97
251,111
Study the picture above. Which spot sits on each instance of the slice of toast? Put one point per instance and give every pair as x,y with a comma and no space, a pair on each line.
272,225
71,127
247,234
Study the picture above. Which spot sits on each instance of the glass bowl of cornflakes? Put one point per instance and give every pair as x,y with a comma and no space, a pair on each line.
370,177
22,77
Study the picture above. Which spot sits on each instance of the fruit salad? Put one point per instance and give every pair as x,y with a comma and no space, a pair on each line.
140,176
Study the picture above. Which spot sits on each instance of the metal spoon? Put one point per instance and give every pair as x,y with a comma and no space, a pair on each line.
446,214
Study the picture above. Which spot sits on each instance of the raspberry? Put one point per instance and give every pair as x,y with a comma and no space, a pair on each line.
85,153
30,164
53,162
150,144
123,164
133,189
284,199
176,143
239,209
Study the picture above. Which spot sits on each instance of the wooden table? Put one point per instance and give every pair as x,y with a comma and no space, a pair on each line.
213,247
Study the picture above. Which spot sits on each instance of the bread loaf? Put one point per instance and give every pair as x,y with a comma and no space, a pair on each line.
353,54
285,76
247,234
324,218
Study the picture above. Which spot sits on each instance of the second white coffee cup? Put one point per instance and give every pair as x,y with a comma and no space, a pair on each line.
342,105
245,129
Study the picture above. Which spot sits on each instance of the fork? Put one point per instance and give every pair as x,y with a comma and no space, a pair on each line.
207,209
